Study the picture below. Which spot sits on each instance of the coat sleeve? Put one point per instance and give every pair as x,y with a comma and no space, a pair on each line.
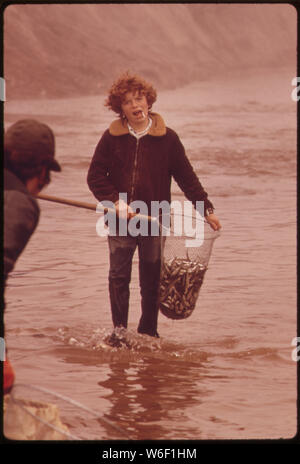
185,176
98,174
21,215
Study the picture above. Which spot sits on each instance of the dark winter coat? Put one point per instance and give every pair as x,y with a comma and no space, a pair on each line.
21,215
142,168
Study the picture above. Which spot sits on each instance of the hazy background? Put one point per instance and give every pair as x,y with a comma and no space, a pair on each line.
68,50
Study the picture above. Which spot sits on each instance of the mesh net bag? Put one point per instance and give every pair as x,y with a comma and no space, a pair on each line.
187,247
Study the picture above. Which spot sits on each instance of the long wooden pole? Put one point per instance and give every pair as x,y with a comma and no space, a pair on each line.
64,201
81,204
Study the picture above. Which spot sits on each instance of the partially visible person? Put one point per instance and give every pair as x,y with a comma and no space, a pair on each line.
29,148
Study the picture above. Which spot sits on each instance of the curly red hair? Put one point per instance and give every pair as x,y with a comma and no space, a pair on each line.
129,83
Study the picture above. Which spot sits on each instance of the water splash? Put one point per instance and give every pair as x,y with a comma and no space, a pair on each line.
84,342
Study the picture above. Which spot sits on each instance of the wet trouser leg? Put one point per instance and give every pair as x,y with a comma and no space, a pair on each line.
149,270
121,253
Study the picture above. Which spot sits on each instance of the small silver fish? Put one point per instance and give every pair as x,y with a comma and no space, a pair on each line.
181,280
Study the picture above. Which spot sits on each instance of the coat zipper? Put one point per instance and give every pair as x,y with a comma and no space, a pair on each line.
134,172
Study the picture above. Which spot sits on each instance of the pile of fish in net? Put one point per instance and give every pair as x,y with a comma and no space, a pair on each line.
180,283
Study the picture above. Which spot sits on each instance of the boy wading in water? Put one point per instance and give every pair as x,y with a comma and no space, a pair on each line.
138,156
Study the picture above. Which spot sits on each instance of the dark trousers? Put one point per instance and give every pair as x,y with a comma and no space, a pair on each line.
121,254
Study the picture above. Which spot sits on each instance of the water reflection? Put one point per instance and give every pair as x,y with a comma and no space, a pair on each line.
148,398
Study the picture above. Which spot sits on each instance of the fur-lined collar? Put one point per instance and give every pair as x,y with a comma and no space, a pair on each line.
157,129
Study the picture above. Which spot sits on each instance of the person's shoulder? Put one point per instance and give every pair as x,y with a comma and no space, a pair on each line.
103,140
12,182
16,192
171,132
172,135
118,127
115,129
21,207
105,134
22,199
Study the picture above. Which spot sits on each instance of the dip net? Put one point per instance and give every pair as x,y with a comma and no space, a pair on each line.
32,412
187,244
